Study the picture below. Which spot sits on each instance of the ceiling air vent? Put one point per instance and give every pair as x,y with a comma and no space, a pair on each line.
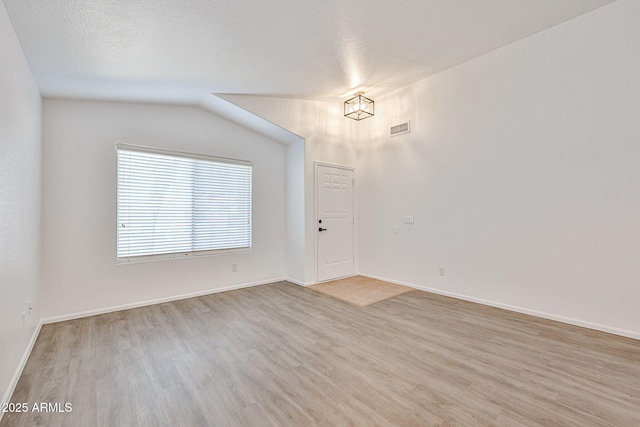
400,129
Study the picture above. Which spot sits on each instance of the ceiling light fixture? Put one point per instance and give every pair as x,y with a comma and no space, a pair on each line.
359,107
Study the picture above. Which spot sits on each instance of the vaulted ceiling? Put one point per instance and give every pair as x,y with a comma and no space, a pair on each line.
181,50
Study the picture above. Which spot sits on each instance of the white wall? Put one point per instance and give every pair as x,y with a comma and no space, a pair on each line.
79,204
20,119
295,212
522,170
327,139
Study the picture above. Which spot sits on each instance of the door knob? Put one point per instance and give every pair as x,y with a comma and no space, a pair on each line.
322,229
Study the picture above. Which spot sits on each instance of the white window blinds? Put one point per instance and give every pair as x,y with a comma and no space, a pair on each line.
176,204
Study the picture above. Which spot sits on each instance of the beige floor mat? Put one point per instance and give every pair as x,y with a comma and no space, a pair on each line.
359,290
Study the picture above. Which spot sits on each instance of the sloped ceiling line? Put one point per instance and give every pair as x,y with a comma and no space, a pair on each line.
238,115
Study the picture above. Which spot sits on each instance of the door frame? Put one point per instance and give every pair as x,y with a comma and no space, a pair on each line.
317,163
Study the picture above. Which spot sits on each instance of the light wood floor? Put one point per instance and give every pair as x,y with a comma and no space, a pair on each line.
283,355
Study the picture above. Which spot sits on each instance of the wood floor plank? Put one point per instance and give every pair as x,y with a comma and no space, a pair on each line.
283,355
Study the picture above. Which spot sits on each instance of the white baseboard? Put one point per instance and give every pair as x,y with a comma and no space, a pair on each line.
301,283
21,365
298,282
536,313
89,313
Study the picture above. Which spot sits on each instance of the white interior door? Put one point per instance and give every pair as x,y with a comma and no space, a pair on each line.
335,222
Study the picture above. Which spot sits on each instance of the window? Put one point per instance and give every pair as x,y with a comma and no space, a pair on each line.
174,204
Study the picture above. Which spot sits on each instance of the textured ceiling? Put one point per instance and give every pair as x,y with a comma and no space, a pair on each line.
180,50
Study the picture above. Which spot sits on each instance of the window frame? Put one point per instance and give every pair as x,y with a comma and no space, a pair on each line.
184,254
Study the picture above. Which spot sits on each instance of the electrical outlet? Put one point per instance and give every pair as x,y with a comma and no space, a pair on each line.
442,270
234,267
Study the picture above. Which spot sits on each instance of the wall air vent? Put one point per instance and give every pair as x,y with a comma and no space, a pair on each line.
400,129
